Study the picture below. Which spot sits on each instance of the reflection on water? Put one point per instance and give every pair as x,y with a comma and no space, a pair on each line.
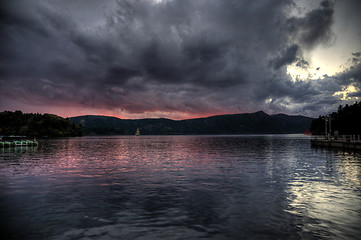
328,196
180,187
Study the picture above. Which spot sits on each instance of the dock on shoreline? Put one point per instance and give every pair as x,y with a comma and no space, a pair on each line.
352,142
17,141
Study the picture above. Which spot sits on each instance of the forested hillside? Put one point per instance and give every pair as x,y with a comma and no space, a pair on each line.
246,123
37,125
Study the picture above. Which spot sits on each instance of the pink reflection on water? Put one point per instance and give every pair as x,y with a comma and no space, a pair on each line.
109,156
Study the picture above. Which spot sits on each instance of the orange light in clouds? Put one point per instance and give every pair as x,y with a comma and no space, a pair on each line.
67,110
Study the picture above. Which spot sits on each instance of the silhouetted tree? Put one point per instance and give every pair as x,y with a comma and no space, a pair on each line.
347,120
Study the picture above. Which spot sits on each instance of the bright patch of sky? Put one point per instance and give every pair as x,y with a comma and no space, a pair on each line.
335,56
345,93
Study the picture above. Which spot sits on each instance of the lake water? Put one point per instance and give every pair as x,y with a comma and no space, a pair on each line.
180,187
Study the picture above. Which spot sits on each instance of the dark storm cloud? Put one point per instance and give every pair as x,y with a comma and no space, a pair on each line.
195,56
315,27
352,74
356,57
290,55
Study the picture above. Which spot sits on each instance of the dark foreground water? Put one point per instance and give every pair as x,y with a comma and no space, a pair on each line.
180,187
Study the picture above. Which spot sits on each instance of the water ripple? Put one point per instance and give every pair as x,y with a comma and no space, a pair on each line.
180,187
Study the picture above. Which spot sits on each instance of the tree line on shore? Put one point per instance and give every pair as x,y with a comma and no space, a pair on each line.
346,121
37,125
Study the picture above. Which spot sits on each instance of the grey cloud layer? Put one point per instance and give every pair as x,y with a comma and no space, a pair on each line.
195,56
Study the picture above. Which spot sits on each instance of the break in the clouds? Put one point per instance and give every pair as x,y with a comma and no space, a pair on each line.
171,58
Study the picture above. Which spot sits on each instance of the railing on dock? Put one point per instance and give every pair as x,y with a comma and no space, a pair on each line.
339,138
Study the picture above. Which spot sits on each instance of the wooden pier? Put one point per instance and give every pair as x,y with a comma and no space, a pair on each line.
352,142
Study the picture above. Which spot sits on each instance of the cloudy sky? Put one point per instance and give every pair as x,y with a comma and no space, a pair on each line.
179,58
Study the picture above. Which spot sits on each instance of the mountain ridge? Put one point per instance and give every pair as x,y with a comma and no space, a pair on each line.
242,123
